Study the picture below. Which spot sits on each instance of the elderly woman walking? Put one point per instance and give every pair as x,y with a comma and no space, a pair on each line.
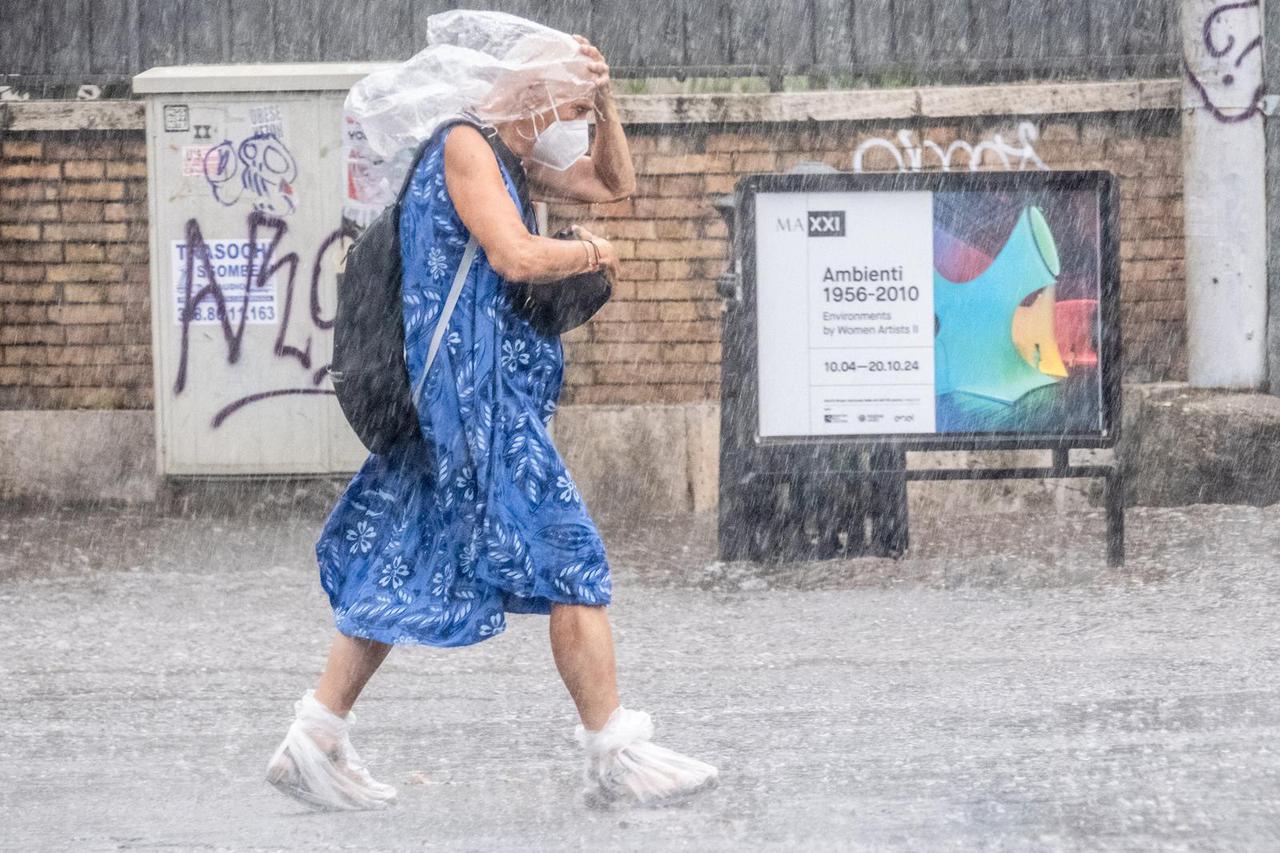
475,516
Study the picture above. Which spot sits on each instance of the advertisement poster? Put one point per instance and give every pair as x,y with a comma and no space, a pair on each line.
928,313
231,265
370,182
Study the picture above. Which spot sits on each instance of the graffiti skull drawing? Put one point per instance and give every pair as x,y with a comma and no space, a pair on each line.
265,167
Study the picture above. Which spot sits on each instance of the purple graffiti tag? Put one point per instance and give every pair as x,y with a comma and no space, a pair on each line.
263,264
266,169
198,251
316,318
291,261
1228,79
220,167
235,406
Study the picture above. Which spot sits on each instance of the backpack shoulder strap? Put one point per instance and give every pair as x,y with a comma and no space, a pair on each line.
442,325
413,168
426,144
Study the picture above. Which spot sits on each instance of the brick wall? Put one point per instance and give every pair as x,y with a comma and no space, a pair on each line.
73,252
74,292
658,341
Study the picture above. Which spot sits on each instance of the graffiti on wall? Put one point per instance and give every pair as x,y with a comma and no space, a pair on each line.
1226,69
913,156
265,266
259,169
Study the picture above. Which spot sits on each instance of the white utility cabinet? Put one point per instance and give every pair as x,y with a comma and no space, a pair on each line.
240,157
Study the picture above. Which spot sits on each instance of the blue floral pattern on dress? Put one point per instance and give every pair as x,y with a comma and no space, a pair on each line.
476,516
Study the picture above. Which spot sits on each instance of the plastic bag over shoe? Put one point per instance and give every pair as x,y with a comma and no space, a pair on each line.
316,762
624,766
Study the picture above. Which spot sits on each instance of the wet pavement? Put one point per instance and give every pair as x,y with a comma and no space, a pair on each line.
999,689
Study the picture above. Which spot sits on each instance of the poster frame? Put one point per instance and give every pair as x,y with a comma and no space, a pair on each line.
741,336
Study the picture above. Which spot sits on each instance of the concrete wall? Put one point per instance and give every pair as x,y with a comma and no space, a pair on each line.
1180,447
77,456
639,424
1188,446
642,459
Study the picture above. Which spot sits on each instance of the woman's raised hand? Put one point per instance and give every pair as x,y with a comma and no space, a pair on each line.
598,68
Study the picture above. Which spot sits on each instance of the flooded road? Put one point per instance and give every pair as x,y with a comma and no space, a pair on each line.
1000,688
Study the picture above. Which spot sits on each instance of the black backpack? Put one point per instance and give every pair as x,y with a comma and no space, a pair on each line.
368,368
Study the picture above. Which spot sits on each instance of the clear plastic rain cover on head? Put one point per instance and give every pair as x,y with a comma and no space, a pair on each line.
498,66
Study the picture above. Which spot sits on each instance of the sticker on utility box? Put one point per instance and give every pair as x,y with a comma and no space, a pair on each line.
193,160
177,118
230,265
267,119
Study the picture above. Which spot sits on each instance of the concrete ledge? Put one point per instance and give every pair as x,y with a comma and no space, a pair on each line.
1184,446
1076,97
53,116
1179,447
642,459
1000,495
902,103
78,456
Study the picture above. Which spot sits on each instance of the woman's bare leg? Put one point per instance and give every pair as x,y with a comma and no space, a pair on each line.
622,765
316,762
352,662
582,645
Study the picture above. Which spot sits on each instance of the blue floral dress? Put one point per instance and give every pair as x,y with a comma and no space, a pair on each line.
475,516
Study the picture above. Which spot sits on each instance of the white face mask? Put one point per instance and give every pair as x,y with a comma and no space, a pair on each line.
561,143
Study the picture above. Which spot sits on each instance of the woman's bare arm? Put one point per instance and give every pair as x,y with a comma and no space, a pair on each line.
480,196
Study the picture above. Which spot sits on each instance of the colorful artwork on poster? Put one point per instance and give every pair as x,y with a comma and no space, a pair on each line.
923,312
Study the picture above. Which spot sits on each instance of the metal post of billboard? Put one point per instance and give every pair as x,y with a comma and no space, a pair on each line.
815,503
981,335
1271,129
